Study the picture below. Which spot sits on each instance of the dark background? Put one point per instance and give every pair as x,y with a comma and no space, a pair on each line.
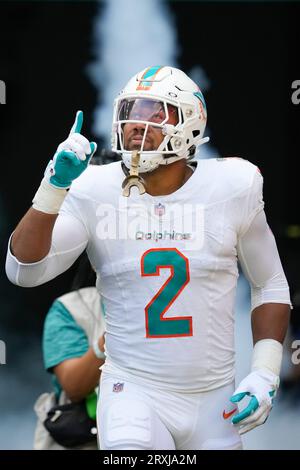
249,51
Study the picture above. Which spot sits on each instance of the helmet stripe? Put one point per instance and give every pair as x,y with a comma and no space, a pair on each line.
199,95
151,73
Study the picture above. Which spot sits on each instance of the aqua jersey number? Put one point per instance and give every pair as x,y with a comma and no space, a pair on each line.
156,325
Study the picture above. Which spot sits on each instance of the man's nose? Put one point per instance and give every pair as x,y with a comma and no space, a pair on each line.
139,126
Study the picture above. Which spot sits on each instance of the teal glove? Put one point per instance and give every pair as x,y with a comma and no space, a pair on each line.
71,158
261,386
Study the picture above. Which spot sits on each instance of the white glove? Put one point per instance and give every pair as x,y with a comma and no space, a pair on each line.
261,385
70,160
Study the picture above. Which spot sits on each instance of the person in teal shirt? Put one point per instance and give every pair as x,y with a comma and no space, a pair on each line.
73,351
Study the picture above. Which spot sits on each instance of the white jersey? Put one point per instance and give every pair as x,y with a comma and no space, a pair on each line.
169,293
167,268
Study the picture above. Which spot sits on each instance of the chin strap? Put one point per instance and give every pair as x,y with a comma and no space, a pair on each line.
133,178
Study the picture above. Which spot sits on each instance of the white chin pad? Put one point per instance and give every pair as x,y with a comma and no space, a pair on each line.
148,161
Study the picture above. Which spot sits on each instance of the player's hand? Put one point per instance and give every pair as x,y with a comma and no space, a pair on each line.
261,386
71,158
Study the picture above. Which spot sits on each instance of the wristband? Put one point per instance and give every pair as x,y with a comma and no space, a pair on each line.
48,199
267,354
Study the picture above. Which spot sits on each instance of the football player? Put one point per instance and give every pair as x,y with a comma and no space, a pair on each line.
164,232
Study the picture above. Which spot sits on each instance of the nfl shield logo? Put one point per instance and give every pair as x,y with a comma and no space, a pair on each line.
118,387
159,209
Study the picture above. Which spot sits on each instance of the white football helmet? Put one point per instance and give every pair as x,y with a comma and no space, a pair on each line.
159,97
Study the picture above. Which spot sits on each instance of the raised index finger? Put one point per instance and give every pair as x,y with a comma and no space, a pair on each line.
78,123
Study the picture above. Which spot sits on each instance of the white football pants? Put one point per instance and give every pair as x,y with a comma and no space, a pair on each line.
135,416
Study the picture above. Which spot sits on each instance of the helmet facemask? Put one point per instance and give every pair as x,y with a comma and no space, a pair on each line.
146,116
160,99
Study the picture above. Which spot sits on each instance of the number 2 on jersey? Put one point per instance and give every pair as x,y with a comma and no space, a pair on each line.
156,325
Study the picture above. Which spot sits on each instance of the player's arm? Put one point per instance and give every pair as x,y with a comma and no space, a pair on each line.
259,258
260,261
270,321
33,238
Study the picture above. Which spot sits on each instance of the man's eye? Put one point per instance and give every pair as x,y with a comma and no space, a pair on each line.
159,116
